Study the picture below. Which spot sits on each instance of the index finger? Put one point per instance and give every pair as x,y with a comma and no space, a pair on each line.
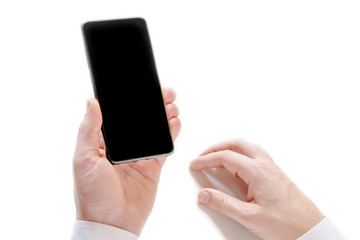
237,145
238,164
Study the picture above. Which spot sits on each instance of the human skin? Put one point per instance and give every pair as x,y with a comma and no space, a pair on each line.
275,209
117,195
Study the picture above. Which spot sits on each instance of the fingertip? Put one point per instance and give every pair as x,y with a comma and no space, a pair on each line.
172,110
92,104
219,202
205,153
191,165
93,109
202,163
209,150
194,165
237,145
169,95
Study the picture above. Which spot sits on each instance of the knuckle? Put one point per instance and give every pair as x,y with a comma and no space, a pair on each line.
251,215
258,149
83,127
226,153
225,156
79,161
260,167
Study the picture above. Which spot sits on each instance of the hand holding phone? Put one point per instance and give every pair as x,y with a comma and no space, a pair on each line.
119,195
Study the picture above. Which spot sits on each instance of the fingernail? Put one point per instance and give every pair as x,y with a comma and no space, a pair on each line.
204,197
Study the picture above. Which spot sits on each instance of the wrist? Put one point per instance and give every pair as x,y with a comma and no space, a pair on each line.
294,216
305,215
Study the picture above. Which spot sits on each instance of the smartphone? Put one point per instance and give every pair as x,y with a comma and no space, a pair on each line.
126,85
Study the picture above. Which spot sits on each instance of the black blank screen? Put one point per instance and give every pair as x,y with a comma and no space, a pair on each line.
126,85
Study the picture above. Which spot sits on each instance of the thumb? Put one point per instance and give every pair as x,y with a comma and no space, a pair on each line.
88,140
227,205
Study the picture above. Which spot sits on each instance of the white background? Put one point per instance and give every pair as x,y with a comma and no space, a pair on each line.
283,74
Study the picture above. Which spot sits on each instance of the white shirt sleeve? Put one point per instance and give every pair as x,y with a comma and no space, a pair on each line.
324,230
84,230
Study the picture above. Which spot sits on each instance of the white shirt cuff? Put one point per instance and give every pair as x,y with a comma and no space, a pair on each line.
84,230
324,230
